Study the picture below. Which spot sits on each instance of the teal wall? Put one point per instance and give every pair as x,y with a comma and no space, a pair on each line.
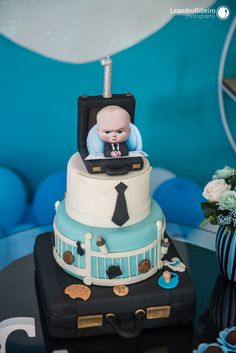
173,75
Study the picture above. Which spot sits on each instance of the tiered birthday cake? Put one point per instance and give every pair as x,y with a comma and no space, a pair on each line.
108,230
109,234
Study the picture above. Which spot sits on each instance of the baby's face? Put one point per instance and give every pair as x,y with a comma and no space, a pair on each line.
114,127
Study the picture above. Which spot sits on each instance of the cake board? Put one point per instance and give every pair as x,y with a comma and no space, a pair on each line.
147,305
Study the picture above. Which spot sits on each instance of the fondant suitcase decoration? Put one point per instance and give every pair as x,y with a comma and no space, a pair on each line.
88,107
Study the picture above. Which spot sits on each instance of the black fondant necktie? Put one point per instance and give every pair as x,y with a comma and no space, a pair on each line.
120,215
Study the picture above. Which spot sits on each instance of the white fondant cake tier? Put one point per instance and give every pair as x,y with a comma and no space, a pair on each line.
91,199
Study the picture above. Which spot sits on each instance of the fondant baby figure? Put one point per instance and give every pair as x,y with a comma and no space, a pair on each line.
114,129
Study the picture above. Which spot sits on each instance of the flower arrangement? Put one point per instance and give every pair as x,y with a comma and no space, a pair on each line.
220,193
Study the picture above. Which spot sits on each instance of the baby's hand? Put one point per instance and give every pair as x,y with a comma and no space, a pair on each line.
115,154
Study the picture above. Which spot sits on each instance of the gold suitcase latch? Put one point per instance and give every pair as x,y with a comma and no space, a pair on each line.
89,321
158,312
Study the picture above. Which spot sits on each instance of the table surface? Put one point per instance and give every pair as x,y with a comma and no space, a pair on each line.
18,299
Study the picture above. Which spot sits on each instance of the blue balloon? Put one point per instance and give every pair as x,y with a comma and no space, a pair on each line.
49,191
2,233
180,201
12,200
29,215
21,228
159,176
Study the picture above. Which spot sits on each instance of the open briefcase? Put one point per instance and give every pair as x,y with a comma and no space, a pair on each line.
88,108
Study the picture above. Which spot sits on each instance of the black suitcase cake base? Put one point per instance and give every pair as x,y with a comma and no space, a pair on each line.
174,339
146,306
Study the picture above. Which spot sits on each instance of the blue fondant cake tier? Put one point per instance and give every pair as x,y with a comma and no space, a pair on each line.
124,255
121,239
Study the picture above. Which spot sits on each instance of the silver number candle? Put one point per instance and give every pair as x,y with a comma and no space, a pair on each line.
107,63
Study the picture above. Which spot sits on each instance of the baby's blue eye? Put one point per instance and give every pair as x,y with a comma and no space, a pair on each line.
107,132
120,131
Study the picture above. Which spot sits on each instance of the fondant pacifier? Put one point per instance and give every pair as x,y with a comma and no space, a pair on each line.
168,280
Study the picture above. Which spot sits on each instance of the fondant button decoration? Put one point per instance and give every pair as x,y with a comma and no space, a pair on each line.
78,291
68,257
121,290
144,266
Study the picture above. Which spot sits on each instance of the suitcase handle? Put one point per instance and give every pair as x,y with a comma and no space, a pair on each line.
117,171
114,322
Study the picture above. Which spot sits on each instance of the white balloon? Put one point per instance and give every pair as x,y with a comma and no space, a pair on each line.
79,31
158,176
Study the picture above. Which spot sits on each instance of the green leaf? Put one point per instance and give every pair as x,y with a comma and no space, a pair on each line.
210,209
204,222
214,221
232,180
211,205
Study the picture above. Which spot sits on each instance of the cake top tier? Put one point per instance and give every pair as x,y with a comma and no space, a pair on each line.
108,140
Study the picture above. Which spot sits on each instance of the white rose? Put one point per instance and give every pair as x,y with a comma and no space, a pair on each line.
214,189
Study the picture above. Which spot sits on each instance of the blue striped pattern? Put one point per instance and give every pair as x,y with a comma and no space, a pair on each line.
226,252
222,306
99,265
